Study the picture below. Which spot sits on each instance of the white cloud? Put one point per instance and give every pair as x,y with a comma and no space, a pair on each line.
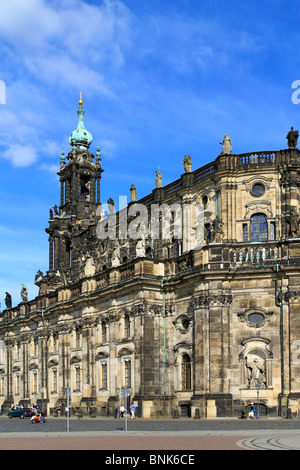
56,40
21,155
58,68
51,45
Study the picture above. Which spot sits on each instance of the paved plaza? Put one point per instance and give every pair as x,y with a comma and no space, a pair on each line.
109,435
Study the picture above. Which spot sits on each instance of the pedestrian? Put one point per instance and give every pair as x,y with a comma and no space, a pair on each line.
252,410
132,411
122,411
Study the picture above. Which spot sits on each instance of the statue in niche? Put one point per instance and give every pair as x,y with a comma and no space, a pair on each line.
158,180
217,230
24,293
87,190
294,222
292,138
256,371
207,234
187,163
133,194
227,145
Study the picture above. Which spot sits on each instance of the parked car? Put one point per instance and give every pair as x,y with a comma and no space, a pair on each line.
20,413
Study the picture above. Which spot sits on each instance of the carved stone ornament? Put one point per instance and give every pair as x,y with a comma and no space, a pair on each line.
290,295
183,323
206,299
139,309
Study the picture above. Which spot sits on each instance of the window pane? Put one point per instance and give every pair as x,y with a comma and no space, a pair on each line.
245,233
186,373
259,228
258,189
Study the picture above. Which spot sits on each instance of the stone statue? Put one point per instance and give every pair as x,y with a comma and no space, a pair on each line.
140,248
111,205
24,293
92,217
187,163
294,224
38,275
256,372
8,300
89,268
217,232
133,194
158,180
207,234
292,138
115,254
227,145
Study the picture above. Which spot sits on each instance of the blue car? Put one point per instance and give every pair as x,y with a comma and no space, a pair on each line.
20,413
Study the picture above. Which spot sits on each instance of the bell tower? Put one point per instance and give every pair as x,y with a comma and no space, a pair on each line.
80,174
80,178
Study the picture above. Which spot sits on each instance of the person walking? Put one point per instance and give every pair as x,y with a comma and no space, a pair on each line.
122,411
132,411
251,412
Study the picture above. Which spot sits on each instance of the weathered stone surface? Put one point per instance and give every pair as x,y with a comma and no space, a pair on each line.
193,325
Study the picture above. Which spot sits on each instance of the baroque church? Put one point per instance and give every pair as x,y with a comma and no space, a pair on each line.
188,298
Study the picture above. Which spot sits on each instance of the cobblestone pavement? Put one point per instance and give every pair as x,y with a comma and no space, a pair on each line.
150,435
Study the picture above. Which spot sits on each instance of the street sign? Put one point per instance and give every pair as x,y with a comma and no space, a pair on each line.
67,391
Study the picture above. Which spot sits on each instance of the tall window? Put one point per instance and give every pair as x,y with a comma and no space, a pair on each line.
54,378
77,378
259,228
34,384
128,374
104,375
186,372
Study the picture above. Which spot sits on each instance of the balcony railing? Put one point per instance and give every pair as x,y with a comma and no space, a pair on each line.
255,254
257,158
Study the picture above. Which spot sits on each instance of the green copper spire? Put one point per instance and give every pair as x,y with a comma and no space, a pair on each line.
80,139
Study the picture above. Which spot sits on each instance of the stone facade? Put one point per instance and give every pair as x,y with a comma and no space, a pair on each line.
192,325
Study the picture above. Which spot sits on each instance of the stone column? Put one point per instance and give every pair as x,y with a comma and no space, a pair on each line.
9,375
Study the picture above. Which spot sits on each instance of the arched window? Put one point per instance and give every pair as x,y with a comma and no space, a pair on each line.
186,372
259,228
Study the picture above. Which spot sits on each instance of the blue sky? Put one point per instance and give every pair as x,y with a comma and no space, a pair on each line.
160,79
